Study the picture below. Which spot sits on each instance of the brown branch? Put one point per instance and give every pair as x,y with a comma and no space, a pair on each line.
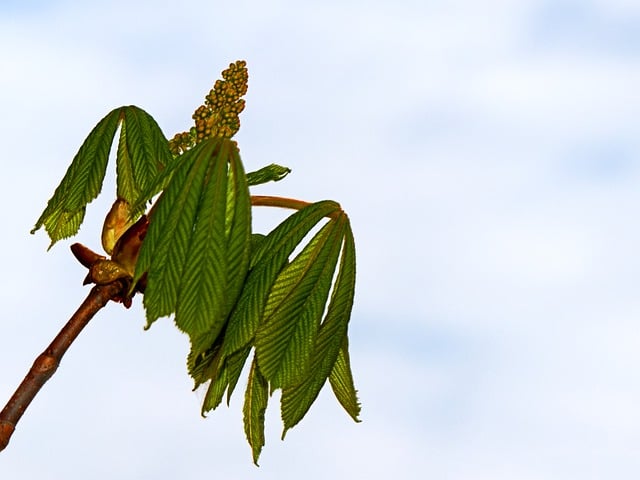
47,362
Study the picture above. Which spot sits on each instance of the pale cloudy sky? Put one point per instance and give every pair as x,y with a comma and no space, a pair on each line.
488,154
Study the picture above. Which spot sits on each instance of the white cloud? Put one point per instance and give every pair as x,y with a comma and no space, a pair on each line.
494,331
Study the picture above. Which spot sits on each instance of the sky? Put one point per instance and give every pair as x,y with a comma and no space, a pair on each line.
488,155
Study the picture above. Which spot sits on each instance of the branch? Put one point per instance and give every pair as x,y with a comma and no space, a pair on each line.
47,362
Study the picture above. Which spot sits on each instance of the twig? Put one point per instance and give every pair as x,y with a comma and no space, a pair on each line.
47,362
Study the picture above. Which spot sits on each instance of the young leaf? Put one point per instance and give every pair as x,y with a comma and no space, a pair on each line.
341,380
255,406
270,173
218,257
266,263
294,308
81,183
164,250
196,250
218,385
143,152
296,400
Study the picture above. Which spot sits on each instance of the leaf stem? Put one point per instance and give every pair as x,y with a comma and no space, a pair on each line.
47,362
284,202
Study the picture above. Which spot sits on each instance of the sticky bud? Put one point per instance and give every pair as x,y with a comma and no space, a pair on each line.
117,221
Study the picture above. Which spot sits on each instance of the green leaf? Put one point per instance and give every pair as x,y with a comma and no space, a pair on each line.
143,152
255,406
164,249
203,360
234,364
268,259
197,247
81,183
296,400
293,312
270,173
125,183
341,380
217,387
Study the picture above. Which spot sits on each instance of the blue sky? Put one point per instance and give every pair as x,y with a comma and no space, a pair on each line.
488,156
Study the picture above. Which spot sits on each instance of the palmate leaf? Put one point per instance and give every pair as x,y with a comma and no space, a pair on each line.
255,406
341,380
297,399
197,247
201,365
143,152
268,255
266,263
294,308
81,183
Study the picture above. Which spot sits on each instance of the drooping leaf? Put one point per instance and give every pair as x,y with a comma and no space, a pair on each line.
125,183
270,173
164,250
81,183
234,363
142,154
296,400
269,258
293,311
341,380
203,360
207,367
217,387
147,151
218,257
255,406
197,247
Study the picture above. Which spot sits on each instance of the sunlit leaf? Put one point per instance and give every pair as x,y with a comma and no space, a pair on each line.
266,263
270,173
164,250
255,406
293,311
81,183
143,152
296,400
341,380
196,251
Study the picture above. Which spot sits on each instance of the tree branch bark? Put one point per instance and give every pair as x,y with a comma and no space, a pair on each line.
49,360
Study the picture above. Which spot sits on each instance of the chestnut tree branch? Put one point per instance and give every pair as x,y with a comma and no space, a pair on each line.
47,362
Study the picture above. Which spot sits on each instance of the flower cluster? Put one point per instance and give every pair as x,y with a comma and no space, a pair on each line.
219,115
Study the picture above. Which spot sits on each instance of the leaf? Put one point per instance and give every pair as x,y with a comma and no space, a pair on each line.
294,308
142,154
218,258
266,262
235,364
296,400
81,183
163,252
148,150
196,251
217,387
125,182
270,173
341,380
222,376
255,406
